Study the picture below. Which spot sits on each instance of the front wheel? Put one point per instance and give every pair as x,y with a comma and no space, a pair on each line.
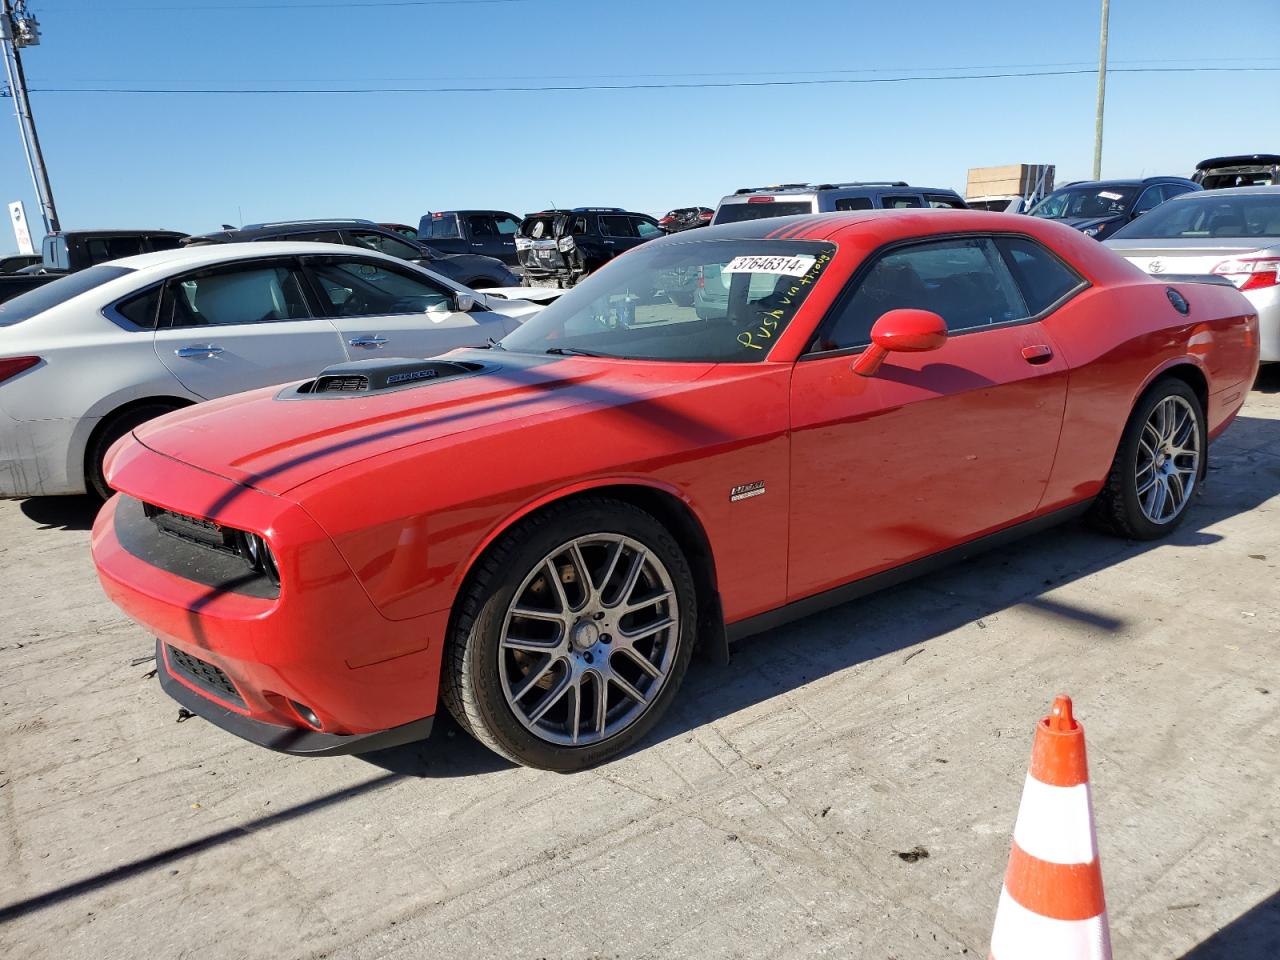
1158,466
573,636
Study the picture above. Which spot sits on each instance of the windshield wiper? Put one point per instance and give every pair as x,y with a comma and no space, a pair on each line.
575,352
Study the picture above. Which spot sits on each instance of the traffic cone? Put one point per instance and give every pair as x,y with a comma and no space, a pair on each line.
1051,906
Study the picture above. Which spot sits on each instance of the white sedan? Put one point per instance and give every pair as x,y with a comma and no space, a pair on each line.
87,358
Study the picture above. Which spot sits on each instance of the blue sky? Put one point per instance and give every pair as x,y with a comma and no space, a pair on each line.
194,161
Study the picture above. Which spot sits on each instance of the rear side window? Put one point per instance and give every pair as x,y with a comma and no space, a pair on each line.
27,305
965,281
853,203
444,226
617,227
482,227
900,202
1042,277
142,310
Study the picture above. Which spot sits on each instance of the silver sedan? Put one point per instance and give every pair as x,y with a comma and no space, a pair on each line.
1230,234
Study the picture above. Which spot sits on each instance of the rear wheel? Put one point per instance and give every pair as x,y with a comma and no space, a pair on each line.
108,433
573,636
1158,466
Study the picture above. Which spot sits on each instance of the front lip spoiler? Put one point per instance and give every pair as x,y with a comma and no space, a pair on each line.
293,740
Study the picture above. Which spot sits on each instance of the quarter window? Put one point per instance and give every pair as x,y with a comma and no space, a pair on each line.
364,288
254,295
141,310
1042,277
964,281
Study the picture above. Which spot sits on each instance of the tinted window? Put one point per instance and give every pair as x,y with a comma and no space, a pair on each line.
1151,198
738,212
964,281
384,243
646,229
444,226
248,295
364,288
900,203
101,249
1042,277
27,305
507,226
1208,214
853,203
617,227
141,310
1072,202
482,227
165,243
943,202
324,236
579,226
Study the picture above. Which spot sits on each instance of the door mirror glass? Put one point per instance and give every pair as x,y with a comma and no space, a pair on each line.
463,302
901,331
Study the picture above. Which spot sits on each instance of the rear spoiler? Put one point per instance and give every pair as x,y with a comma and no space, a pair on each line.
1211,278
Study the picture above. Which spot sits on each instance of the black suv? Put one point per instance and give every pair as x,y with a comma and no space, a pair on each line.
468,269
1098,208
563,246
489,232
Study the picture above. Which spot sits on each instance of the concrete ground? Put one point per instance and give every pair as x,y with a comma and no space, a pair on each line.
764,818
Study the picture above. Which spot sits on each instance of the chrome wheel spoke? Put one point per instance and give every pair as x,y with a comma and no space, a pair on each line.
554,696
1168,459
528,645
641,661
646,602
535,677
625,686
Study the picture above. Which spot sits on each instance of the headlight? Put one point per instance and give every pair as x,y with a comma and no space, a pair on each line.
258,556
565,244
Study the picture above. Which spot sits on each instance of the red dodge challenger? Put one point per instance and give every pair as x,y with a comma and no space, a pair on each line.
540,533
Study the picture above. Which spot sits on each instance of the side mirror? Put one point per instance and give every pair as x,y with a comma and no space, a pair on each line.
463,302
901,331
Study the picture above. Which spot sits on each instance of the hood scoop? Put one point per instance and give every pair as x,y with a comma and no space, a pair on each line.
380,375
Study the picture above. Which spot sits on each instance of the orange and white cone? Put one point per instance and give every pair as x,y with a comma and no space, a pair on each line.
1051,906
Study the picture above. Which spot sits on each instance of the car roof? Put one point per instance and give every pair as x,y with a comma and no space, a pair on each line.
269,229
1266,190
1125,182
213,253
440,213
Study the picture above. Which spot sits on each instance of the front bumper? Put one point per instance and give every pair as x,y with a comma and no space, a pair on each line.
296,740
313,669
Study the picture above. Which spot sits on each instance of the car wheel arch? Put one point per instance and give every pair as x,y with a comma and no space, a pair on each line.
1190,372
112,416
670,508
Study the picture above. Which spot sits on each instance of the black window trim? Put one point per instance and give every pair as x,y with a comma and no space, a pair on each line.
851,285
111,311
164,320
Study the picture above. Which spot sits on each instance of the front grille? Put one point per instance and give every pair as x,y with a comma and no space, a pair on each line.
352,384
204,675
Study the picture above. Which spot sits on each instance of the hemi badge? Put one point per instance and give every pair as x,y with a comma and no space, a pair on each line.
746,491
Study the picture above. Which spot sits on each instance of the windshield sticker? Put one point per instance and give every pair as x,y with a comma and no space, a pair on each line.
783,266
1110,196
751,339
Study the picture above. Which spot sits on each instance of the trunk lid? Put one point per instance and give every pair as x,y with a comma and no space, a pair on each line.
1189,257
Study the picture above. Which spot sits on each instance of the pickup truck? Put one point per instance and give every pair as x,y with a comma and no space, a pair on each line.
488,232
67,251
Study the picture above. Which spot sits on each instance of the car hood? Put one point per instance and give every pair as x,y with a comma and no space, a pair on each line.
275,439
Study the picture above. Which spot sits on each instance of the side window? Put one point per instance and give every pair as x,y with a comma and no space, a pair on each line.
580,226
163,243
384,243
1151,198
367,288
507,226
256,294
324,236
900,202
444,226
141,310
481,227
616,227
645,229
940,201
964,281
102,249
853,203
1042,277
1172,190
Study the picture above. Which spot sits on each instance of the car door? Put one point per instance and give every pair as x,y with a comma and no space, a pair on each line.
507,227
380,307
618,233
936,448
243,325
485,239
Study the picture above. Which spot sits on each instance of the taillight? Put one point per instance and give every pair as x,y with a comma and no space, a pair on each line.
759,199
1250,273
12,366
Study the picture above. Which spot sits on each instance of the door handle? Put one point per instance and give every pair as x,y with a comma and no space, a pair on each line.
609,242
370,342
477,244
208,350
1037,353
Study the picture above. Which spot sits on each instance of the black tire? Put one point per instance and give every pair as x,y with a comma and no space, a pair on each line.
471,685
481,283
108,433
1117,508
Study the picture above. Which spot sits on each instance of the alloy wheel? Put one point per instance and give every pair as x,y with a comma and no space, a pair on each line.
1168,459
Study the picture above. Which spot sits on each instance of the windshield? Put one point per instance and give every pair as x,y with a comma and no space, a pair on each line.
761,210
706,300
1206,215
42,298
1080,202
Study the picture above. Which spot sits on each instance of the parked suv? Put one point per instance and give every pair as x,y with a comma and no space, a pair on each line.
490,232
563,246
1098,208
790,199
468,269
1249,170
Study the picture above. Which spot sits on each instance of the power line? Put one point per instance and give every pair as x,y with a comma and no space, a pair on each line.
305,5
708,85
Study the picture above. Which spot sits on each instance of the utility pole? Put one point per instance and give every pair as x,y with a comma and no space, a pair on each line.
1102,91
18,29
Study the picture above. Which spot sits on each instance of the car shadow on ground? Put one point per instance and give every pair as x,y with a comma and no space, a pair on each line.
1254,935
61,513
